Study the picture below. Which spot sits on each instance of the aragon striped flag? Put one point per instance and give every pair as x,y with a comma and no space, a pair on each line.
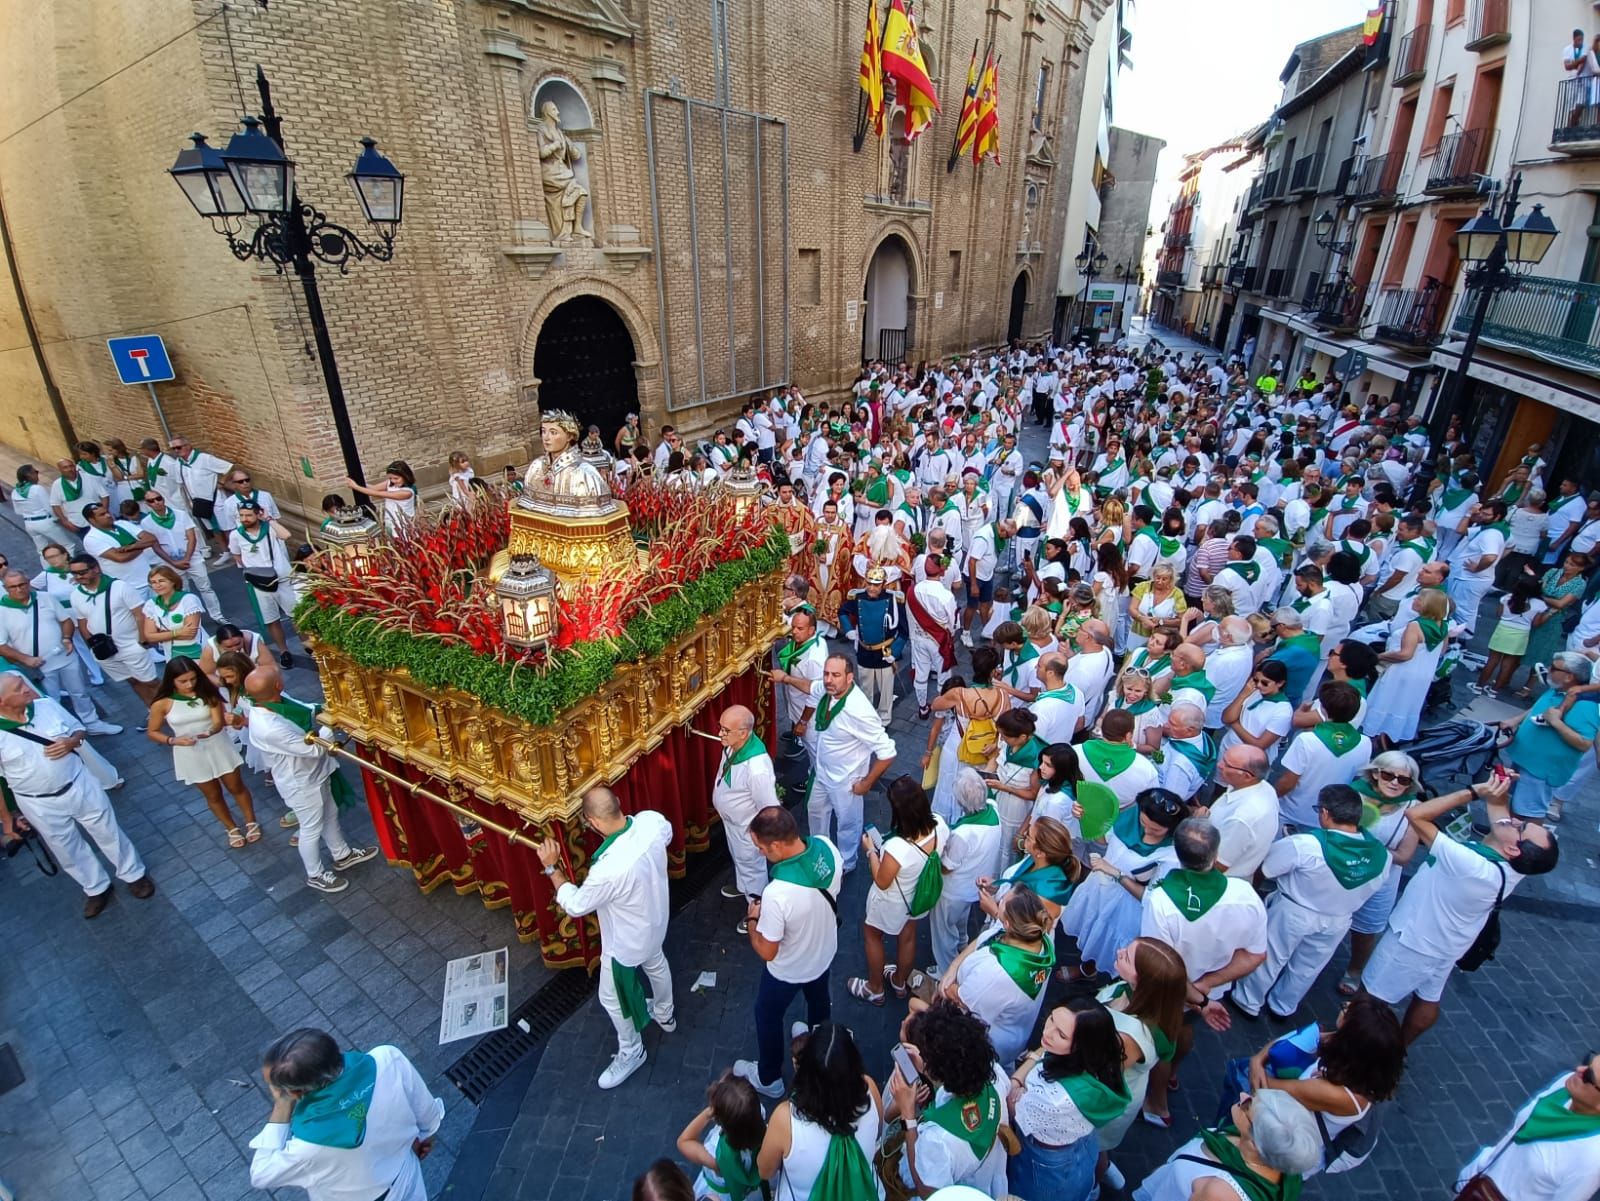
967,122
987,140
903,62
872,69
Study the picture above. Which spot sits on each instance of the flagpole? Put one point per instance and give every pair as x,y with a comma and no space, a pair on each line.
860,135
955,142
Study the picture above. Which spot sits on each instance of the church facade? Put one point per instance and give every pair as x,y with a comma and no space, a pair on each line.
611,205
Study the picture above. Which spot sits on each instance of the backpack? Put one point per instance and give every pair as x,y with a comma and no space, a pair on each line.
1488,941
930,884
979,737
1352,1146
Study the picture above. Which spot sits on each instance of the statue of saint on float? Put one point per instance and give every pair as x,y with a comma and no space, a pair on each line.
562,470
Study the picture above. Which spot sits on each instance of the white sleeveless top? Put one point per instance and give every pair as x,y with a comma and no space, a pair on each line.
808,1147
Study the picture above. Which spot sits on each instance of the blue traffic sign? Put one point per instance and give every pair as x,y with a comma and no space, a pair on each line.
141,360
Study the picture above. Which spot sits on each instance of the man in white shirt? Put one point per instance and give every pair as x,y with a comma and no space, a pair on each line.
853,752
197,474
36,633
1220,930
235,491
1331,752
73,490
1090,668
1246,815
794,929
743,786
1552,1150
1412,550
379,1121
932,629
1323,876
178,542
1228,668
31,501
261,549
105,607
1440,913
1059,707
1472,562
803,656
122,548
306,777
626,890
57,793
982,559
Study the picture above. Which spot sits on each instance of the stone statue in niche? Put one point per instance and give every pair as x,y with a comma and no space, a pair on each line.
565,199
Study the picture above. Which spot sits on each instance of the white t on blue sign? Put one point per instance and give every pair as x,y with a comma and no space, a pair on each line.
141,360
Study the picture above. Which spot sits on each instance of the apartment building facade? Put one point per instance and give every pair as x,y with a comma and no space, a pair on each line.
1198,239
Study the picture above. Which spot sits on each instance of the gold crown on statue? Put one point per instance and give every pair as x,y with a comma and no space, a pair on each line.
877,575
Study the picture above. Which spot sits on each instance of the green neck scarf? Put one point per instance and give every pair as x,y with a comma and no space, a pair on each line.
24,488
1552,1121
1130,832
973,1120
7,724
1503,526
1423,546
95,467
1065,693
258,537
1203,757
753,748
828,708
1138,708
1433,632
1453,498
1354,859
1340,737
1256,1187
71,490
987,816
1197,681
1279,548
10,603
789,655
1310,643
1026,755
1108,758
1193,893
165,522
121,535
305,717
1094,1100
810,868
1050,881
737,1169
1374,804
170,603
1029,970
1155,667
605,843
336,1116
1248,568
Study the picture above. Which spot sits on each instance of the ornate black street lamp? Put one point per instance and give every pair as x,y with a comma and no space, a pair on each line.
1090,265
253,179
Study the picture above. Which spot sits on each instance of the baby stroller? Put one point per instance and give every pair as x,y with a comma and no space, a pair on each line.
1453,754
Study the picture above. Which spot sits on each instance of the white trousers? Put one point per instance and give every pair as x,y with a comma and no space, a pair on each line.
829,802
749,864
45,530
878,684
926,664
319,820
198,581
1468,595
85,804
660,976
947,925
1299,944
71,680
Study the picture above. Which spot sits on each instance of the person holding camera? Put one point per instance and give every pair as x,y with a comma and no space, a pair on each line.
107,612
343,1123
56,793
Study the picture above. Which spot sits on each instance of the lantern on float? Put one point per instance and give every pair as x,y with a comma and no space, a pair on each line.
349,534
527,596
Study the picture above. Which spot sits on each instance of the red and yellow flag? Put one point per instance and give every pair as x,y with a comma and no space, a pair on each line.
872,69
967,122
1372,26
903,62
986,143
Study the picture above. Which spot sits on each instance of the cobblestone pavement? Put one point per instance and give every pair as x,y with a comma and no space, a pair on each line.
140,1033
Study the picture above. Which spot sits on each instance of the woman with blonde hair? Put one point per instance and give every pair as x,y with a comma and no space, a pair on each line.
1156,603
1133,692
1048,868
170,620
1001,975
1410,659
1112,515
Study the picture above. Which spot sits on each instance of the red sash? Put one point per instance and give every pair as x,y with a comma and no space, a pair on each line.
945,639
1344,429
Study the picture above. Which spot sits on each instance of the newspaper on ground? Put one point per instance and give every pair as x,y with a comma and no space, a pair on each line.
475,990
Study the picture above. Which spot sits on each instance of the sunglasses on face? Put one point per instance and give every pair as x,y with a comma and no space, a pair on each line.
1394,777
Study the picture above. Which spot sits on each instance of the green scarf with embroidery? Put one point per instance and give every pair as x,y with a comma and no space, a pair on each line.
753,748
1248,568
1354,859
810,868
973,1120
1108,758
1551,1121
1193,893
336,1116
1029,970
1340,737
305,717
1255,1187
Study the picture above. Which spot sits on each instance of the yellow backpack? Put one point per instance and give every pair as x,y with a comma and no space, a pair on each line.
979,738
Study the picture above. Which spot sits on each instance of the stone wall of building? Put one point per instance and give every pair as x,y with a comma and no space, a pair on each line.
437,347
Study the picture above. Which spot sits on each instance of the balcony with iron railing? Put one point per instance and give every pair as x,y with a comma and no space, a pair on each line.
1458,162
1168,278
1577,119
1277,282
1410,317
1491,24
1340,305
1375,181
1550,318
1178,238
1307,175
1347,167
1241,277
1412,60
1310,294
1211,275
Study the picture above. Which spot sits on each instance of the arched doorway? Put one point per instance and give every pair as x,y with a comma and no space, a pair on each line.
584,363
886,332
1019,305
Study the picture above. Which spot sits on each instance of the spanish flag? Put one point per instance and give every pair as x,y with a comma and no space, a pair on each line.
967,123
872,69
987,141
1372,27
902,62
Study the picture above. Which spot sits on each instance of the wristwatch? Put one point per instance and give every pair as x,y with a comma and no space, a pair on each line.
549,871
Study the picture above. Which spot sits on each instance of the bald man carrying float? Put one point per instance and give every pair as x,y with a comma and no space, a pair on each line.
626,890
743,787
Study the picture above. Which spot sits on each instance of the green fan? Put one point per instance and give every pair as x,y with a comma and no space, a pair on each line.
1100,807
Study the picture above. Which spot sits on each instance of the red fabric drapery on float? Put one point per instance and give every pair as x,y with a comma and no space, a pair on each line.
440,847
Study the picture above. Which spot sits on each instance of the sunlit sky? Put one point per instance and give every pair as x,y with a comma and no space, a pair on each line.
1204,70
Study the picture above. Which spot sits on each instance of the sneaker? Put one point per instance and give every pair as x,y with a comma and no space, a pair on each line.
966,637
622,1066
798,1030
326,881
668,1026
1542,670
1113,1177
743,926
102,727
221,559
1491,693
355,856
749,1070
732,891
286,660
1475,688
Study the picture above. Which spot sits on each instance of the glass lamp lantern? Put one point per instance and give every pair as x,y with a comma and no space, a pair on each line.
350,534
526,593
743,485
1530,236
378,185
204,178
1476,240
262,174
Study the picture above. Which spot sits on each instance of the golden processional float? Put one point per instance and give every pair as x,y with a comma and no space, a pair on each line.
487,665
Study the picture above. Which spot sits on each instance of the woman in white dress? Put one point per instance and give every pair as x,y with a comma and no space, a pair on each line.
1410,658
1261,714
170,620
834,1103
1104,913
1014,778
906,882
461,475
1110,585
192,710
